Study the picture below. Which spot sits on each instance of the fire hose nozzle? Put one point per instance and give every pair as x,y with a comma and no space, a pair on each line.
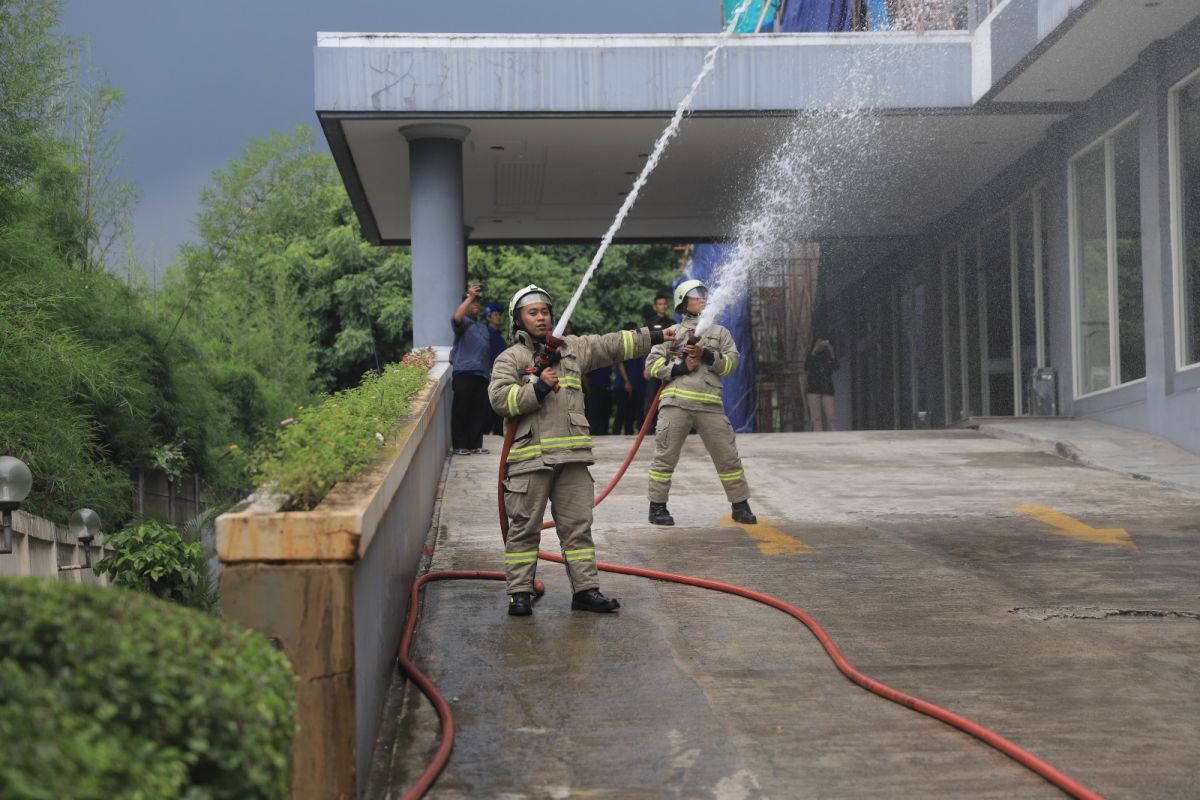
545,357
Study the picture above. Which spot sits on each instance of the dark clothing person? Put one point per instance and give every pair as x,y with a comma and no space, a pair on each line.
598,400
630,402
820,366
492,313
659,322
470,412
655,323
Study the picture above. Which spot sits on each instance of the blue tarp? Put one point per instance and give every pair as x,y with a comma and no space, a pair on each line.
817,16
813,16
707,260
877,15
749,21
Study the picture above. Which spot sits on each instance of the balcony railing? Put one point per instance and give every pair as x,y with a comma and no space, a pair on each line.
924,15
907,15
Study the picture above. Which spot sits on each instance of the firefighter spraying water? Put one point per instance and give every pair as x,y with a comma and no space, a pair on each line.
691,398
537,384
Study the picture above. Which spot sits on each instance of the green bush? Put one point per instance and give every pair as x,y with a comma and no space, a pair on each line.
153,557
340,436
107,693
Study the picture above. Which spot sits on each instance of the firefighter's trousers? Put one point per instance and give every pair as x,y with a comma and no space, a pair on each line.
570,490
674,424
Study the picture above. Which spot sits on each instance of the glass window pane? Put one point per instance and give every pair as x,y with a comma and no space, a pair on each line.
968,277
1189,184
952,343
997,274
1091,252
1047,350
1132,333
919,374
1026,294
906,359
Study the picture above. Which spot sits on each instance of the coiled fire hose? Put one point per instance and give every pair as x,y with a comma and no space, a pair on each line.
442,755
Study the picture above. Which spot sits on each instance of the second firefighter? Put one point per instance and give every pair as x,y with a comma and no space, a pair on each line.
692,399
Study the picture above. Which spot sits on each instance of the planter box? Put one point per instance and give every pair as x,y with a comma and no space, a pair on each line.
331,585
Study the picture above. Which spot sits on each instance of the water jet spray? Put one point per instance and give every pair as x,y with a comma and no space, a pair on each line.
664,139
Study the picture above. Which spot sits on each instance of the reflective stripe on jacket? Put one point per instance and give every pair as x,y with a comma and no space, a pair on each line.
701,389
555,430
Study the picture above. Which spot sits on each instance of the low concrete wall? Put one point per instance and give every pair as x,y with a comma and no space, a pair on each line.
40,548
331,587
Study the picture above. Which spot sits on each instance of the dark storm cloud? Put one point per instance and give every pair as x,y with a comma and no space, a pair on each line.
202,76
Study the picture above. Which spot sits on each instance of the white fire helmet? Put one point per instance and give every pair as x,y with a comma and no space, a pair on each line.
524,297
688,289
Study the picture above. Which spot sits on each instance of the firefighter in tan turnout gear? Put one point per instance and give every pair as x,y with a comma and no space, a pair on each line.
552,448
692,399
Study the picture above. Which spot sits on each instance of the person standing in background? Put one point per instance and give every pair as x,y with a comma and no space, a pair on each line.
471,361
493,314
629,393
598,399
659,321
820,365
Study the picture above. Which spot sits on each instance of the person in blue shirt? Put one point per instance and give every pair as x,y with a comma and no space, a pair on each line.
629,392
471,361
494,314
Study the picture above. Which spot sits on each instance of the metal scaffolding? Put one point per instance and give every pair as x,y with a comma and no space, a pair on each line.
781,306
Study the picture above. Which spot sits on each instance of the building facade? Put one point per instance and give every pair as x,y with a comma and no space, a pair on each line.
1069,284
1019,236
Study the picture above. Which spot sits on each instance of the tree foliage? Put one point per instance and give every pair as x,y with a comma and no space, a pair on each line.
622,288
31,70
279,299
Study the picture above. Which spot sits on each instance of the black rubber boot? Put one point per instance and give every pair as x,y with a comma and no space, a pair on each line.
520,604
659,514
743,514
592,600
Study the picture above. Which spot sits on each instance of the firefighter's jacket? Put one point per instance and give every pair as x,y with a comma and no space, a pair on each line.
554,429
699,390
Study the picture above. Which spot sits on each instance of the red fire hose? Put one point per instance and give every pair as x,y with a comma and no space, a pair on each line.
442,756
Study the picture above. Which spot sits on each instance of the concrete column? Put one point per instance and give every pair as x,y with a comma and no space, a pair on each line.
439,272
1158,306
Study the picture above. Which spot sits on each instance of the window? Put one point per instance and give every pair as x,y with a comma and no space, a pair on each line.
951,336
993,322
1106,263
1185,191
1027,296
996,268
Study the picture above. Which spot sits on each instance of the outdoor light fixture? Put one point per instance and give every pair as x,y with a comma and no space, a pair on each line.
15,483
85,524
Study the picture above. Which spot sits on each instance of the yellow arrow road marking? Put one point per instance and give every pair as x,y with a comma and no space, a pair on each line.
1068,526
771,540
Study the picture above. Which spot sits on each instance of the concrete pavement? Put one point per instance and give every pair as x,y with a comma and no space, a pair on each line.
1057,604
1095,444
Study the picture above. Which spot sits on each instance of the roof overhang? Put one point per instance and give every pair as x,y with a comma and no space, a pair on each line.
1067,50
559,124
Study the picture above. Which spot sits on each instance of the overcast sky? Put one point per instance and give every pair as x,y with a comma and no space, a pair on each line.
201,77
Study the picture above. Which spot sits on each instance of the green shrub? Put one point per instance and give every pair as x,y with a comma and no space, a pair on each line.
153,557
107,693
340,436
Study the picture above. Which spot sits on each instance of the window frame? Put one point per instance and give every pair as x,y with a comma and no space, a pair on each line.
1175,178
1105,140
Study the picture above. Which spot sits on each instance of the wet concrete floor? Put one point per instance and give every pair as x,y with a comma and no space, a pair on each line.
1056,604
